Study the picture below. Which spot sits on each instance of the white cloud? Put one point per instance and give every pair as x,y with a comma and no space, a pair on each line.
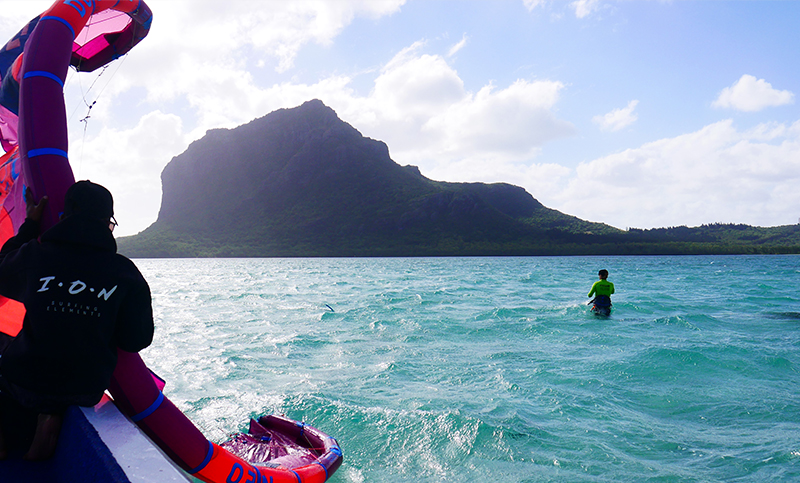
750,94
542,180
460,45
716,174
420,108
414,85
129,164
277,29
618,118
513,122
16,13
531,4
584,8
197,48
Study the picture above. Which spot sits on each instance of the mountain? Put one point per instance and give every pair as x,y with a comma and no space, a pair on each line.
302,182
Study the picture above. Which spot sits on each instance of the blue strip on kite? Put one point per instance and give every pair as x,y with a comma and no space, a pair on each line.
147,412
51,17
43,151
205,461
41,73
324,468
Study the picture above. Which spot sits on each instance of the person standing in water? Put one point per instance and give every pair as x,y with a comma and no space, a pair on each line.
602,290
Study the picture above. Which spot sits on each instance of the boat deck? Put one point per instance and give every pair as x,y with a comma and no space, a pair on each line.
97,444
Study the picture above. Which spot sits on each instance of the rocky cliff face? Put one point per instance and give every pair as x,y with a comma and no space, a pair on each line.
307,164
302,179
270,159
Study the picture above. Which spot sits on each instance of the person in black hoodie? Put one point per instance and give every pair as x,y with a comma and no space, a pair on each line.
83,301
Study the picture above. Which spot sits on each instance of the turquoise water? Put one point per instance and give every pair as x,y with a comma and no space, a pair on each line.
493,369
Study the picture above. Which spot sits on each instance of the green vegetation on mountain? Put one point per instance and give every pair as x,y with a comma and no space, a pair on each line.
301,182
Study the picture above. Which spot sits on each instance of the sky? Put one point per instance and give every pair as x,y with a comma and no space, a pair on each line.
634,113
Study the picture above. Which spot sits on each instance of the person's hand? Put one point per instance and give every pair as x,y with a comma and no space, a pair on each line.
34,211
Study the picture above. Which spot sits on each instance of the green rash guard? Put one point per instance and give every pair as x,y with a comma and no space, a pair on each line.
602,287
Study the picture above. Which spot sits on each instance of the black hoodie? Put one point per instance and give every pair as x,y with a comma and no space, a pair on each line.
82,302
